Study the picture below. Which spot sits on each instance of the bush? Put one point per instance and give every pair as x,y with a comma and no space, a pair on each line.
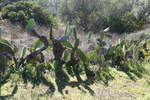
97,15
124,56
143,12
131,23
20,12
4,3
144,52
97,22
125,23
85,15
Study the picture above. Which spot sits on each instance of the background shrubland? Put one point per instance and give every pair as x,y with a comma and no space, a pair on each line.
120,16
20,12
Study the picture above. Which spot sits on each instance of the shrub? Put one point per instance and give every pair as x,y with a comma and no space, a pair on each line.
97,22
97,15
143,12
4,3
20,12
85,15
131,23
124,57
125,23
144,52
115,24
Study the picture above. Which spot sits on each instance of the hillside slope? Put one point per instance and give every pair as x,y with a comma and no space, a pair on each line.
121,88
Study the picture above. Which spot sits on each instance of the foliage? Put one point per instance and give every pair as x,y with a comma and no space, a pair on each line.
143,12
125,56
30,66
6,2
84,14
125,23
53,6
145,50
70,61
97,15
98,62
20,12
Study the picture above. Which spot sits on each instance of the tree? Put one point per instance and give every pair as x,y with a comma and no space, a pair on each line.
84,14
20,12
6,2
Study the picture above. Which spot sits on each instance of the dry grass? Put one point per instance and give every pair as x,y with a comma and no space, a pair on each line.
122,88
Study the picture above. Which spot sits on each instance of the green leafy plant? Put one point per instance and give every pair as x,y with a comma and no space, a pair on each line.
0,33
30,66
69,60
125,23
99,63
144,52
20,12
124,57
96,16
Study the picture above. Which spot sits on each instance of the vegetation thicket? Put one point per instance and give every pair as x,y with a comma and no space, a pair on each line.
20,12
94,16
70,61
